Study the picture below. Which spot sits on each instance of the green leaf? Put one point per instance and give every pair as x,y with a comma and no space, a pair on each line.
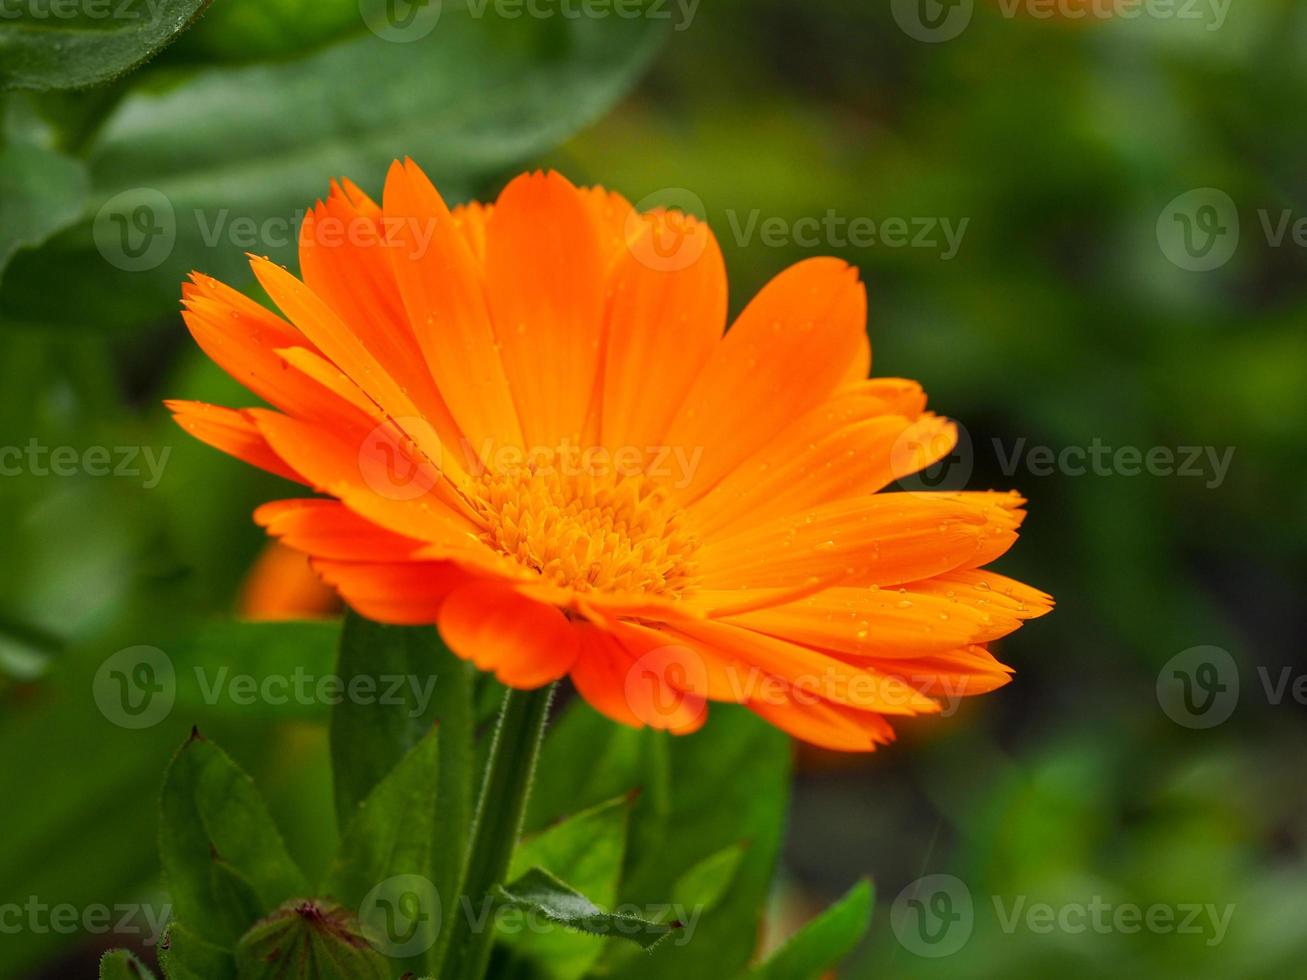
585,850
252,30
193,173
45,44
726,783
706,883
392,832
822,943
370,740
118,964
310,939
539,893
41,192
222,856
185,956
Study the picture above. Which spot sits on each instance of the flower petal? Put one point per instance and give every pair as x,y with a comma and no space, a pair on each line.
525,643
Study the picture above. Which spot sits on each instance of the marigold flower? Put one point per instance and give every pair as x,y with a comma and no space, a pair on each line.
527,427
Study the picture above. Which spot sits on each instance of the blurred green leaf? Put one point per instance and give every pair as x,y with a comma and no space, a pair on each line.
585,850
193,174
221,853
45,44
41,192
820,945
541,894
250,30
119,964
313,940
185,956
273,669
706,882
392,831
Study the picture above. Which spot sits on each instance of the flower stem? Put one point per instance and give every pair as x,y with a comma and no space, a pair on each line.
496,828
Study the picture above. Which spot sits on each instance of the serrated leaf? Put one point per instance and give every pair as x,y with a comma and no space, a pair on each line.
185,956
369,740
727,782
191,173
45,44
41,192
392,831
586,850
539,893
119,964
222,855
820,945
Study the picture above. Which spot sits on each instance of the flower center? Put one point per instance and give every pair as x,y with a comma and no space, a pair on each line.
587,529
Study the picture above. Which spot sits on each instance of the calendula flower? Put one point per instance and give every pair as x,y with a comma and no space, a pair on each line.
528,425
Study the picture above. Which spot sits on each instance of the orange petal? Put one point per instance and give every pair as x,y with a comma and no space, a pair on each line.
444,293
883,539
664,321
525,643
828,725
954,610
743,666
545,286
784,356
329,529
232,432
408,593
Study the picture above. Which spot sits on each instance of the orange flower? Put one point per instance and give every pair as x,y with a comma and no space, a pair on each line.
527,428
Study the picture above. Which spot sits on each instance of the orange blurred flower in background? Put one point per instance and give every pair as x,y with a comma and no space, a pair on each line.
526,427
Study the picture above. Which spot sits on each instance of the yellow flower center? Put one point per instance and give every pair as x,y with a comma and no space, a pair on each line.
587,529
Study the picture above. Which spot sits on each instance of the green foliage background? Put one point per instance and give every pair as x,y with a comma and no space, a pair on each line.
1058,322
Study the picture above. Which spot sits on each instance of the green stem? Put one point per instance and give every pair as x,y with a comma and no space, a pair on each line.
496,829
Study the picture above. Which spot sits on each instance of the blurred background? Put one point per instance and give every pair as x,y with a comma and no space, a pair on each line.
1082,226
